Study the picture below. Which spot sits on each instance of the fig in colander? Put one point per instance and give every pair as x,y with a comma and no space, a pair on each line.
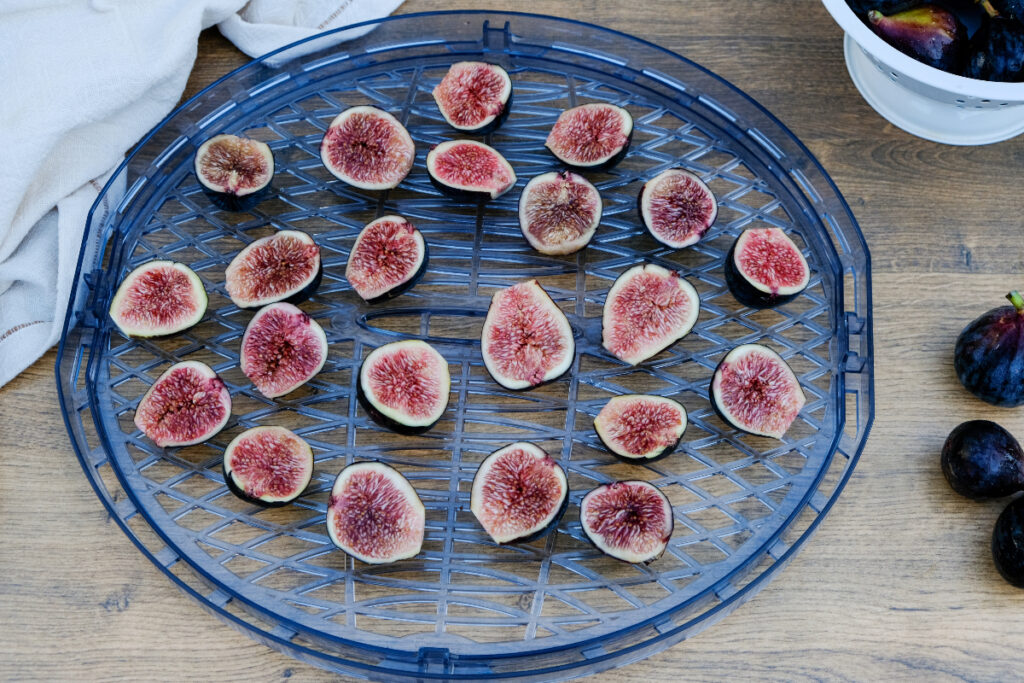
368,148
519,493
158,298
284,266
374,514
282,349
186,405
640,428
754,390
631,521
647,309
234,171
764,268
474,97
388,257
404,385
989,354
526,339
886,6
997,52
1008,9
469,170
677,207
928,33
269,466
591,136
559,212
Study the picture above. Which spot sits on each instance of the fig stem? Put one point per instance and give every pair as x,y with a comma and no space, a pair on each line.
989,9
1017,300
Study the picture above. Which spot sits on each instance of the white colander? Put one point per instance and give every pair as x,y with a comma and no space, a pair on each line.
922,100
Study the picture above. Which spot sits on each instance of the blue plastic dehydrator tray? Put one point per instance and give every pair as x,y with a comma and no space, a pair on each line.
465,608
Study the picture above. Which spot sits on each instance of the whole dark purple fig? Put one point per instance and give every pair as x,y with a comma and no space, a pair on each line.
989,354
927,33
982,460
997,52
886,6
1008,543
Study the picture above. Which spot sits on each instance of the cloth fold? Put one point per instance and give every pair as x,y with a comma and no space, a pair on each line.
83,83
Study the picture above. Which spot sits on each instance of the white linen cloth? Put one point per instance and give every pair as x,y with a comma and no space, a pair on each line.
83,81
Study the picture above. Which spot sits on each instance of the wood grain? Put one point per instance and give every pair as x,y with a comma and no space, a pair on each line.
898,582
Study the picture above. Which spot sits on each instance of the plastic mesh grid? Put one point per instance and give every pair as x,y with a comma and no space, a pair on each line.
734,495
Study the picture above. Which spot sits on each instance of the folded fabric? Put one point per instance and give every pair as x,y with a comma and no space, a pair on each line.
83,81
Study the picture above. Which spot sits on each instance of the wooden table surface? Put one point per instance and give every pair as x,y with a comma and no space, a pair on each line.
897,583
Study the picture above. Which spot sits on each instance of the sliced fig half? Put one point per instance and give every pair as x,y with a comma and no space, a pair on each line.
234,171
648,309
638,427
389,256
631,521
765,268
404,385
526,339
368,148
269,466
158,298
591,136
374,514
284,266
186,405
677,207
282,349
469,170
519,493
754,390
474,97
559,212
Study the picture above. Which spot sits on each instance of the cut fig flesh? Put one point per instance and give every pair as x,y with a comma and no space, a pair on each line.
285,265
765,268
374,514
158,298
526,338
754,390
474,96
677,207
519,493
186,405
282,349
268,465
641,427
559,212
368,148
591,135
467,169
631,521
648,309
234,171
405,385
388,257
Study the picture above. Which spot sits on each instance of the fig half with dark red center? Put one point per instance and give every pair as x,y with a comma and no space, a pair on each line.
764,268
158,298
591,136
648,309
282,349
989,354
637,427
374,514
389,256
186,405
519,493
469,170
234,172
404,385
754,390
631,521
677,207
284,266
559,212
526,338
474,97
368,148
268,466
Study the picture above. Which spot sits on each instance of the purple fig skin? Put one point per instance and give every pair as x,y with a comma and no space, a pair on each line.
989,354
927,33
